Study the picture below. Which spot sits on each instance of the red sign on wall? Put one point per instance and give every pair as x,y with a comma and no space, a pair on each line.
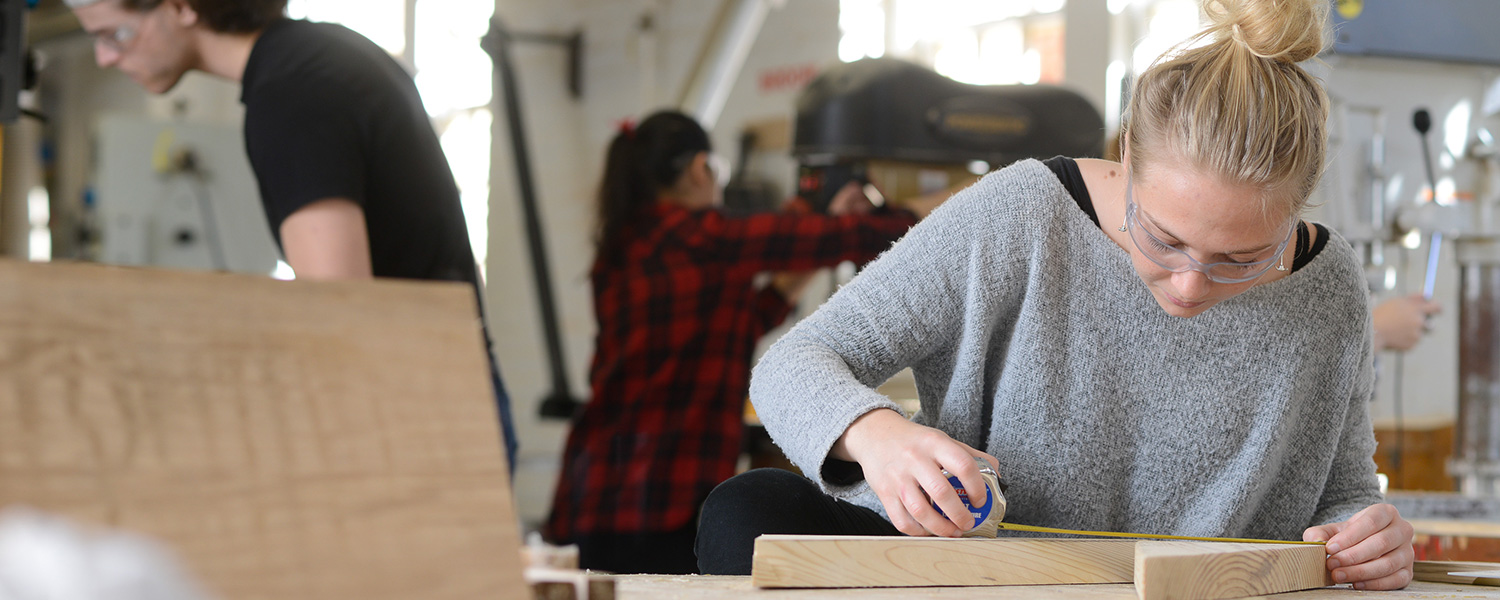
781,79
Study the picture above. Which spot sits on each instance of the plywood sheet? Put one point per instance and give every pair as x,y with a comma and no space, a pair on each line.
1215,570
287,439
802,561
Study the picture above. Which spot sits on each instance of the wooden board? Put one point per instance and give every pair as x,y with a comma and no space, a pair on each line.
678,587
786,561
1438,571
1214,570
287,440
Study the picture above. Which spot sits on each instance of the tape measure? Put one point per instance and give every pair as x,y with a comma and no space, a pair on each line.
989,517
1149,536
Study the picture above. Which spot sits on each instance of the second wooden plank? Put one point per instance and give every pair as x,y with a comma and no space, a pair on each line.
1217,570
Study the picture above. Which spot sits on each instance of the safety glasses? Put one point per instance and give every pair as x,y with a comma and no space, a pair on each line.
1173,259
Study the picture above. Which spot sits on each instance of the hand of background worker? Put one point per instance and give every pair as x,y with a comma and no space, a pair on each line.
904,463
850,200
1401,322
1372,550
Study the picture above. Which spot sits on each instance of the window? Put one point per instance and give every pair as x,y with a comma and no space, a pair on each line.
982,42
453,74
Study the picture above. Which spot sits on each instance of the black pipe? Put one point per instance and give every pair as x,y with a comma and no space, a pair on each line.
560,402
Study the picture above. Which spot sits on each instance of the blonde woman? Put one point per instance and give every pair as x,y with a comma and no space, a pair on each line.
1159,345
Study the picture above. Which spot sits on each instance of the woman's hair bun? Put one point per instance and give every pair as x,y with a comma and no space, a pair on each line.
1284,30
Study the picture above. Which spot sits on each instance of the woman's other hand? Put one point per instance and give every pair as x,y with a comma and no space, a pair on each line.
1372,550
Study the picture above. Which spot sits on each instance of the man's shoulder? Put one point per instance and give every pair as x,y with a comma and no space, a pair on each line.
303,59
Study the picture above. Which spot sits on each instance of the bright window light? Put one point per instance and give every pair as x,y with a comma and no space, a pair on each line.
982,42
1001,50
453,71
453,75
1172,22
862,29
1048,6
1456,127
39,216
466,141
383,21
1114,76
958,57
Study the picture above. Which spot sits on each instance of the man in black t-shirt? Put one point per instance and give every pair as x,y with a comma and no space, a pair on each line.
351,175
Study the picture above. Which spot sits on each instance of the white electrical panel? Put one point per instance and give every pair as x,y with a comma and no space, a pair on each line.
179,195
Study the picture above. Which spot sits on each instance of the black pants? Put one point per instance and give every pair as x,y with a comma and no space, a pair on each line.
667,553
772,501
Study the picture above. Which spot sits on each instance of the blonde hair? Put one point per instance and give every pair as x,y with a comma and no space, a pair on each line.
1240,107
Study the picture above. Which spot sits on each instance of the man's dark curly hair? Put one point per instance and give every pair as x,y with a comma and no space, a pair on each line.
226,16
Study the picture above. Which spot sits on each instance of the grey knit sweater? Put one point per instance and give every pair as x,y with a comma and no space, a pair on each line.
1248,420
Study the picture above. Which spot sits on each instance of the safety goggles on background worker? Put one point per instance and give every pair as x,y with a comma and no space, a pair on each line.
1175,260
718,166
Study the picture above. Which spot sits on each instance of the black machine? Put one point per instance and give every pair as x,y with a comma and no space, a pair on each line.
891,111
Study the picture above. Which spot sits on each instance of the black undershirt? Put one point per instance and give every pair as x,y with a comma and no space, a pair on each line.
1067,172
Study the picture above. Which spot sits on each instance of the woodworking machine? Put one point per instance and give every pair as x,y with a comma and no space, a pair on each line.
912,131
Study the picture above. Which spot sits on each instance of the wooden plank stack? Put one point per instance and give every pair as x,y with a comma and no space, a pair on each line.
1160,570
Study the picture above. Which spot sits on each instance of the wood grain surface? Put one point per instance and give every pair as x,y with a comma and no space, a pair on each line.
287,440
1215,570
675,587
783,561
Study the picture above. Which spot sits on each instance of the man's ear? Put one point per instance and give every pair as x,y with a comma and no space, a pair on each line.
699,170
186,15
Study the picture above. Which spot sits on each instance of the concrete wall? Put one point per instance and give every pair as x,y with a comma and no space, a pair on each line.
628,71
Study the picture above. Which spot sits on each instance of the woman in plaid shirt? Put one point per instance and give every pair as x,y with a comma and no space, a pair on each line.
679,316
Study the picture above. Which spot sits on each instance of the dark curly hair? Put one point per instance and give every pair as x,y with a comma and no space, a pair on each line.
226,16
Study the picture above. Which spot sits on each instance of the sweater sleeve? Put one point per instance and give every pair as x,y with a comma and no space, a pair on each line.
1351,484
903,308
795,242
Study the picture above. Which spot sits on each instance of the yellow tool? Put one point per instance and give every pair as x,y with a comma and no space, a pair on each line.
1151,536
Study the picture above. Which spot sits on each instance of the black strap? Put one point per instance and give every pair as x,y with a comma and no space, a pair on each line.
1308,249
1071,178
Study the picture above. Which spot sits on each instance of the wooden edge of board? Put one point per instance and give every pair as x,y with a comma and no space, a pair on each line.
1437,571
803,561
1218,570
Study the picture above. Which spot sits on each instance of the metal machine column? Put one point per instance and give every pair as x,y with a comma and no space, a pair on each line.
1476,460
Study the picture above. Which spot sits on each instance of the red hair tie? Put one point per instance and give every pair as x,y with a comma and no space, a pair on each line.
626,127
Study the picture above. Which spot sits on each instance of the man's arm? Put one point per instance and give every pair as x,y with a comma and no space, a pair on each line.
327,240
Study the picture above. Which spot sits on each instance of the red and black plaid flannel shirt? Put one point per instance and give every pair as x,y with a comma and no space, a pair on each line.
679,318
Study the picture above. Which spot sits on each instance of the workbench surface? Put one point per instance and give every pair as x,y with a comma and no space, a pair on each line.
668,587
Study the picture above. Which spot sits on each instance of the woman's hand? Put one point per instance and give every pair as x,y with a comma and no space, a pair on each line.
1372,550
904,463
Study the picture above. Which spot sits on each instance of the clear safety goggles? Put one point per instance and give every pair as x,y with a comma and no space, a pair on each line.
1175,260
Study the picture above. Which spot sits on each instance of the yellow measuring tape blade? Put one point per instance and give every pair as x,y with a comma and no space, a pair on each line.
1033,528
